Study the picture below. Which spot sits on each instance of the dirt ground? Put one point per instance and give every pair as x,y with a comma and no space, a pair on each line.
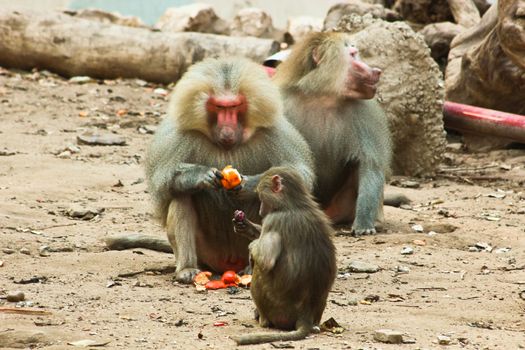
444,288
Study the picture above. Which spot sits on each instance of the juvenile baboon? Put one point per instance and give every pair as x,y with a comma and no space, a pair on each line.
293,260
222,112
327,92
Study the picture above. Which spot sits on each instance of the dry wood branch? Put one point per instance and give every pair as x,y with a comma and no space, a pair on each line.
468,169
21,311
159,269
73,46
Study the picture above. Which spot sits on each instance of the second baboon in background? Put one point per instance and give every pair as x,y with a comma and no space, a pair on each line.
293,260
327,92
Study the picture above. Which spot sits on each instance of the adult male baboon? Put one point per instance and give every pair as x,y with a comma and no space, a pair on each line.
223,111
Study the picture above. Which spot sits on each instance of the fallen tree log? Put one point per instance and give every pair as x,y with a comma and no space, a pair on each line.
72,46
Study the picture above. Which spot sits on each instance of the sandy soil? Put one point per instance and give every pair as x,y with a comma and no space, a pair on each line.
473,297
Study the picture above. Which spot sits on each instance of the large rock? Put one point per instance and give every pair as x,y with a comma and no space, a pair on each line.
424,11
192,18
336,12
410,90
438,37
299,27
254,22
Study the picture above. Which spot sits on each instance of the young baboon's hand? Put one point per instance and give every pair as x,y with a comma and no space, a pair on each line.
245,227
249,183
241,227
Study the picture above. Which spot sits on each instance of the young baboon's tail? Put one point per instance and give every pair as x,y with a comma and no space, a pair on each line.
259,338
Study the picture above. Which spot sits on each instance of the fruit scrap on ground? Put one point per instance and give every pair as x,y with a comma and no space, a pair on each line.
228,279
231,178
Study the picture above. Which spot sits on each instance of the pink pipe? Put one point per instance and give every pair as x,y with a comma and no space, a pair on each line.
484,121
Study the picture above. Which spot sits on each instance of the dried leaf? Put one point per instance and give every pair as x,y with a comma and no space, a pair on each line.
122,112
245,280
331,325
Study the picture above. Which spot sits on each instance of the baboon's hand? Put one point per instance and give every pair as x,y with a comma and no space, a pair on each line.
209,179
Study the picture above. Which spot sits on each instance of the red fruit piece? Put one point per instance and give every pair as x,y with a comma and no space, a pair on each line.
216,284
230,277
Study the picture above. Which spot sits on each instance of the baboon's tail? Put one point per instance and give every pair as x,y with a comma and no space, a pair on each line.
259,338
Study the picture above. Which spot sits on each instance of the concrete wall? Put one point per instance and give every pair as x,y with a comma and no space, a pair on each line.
150,10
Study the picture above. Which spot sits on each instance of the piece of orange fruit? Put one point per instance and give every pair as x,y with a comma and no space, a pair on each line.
231,178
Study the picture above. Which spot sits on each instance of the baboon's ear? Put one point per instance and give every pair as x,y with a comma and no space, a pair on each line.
277,185
315,56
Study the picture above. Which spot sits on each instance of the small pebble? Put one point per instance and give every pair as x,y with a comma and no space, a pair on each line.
64,155
44,251
409,184
160,91
388,336
25,251
8,251
502,250
362,267
417,228
353,302
483,246
81,80
444,340
15,296
407,250
402,269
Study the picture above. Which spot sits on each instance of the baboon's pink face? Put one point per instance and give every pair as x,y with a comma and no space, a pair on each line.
361,80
